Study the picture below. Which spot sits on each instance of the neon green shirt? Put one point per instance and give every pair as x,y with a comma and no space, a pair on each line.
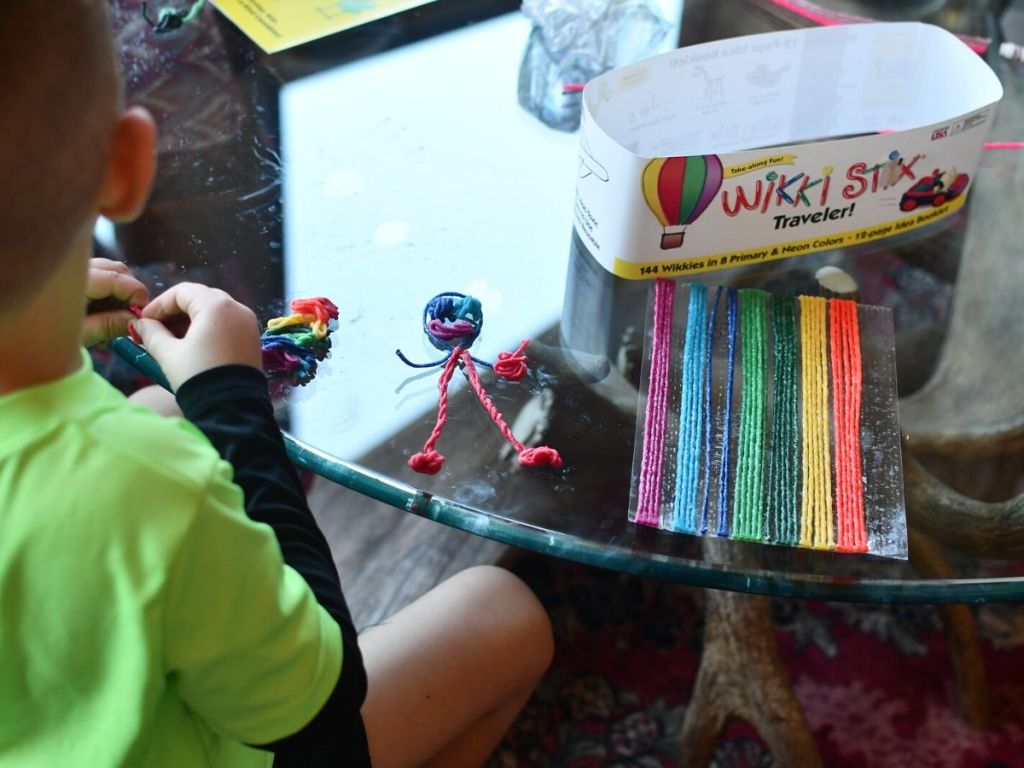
144,619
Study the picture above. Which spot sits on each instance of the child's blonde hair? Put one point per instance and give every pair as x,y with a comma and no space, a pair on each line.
59,99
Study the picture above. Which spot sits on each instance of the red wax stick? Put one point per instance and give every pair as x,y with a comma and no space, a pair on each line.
847,384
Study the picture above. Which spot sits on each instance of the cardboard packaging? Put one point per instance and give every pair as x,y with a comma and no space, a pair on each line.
771,146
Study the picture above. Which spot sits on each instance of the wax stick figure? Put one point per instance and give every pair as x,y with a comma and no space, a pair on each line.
452,322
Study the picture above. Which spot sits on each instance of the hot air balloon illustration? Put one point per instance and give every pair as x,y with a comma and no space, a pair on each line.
678,189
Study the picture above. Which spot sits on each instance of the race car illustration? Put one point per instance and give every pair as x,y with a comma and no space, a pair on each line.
934,190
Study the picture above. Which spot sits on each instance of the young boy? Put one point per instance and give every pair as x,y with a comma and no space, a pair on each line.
165,595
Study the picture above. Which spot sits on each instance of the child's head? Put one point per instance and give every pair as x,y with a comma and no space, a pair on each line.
62,156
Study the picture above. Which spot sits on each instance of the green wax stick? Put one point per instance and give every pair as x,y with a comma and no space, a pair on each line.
748,499
781,521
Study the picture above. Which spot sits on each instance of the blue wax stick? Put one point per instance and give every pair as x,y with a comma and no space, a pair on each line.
709,347
723,473
688,454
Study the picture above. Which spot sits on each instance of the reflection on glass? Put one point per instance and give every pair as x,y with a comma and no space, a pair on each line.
409,174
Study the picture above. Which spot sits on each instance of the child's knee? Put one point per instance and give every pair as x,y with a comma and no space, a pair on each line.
157,399
497,587
522,618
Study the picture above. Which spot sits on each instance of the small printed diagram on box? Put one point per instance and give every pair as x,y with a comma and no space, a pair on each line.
590,166
678,190
769,418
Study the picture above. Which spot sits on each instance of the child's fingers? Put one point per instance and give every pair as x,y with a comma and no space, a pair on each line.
116,266
191,328
116,282
207,313
104,326
183,299
154,334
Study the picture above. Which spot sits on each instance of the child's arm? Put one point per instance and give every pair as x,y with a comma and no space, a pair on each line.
230,405
214,367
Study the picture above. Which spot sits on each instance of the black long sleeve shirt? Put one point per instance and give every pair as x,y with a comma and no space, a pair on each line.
231,406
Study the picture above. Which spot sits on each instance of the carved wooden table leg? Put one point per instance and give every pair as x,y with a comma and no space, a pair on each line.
741,675
972,691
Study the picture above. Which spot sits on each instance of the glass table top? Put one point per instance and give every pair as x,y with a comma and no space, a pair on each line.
433,151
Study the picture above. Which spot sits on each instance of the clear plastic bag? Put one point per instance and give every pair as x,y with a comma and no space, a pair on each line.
572,42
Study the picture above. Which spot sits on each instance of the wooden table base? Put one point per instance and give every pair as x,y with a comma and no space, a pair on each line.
741,675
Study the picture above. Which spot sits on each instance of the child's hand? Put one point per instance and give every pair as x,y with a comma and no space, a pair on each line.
192,328
110,287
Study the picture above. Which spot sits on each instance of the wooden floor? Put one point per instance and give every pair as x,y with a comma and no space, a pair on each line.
388,557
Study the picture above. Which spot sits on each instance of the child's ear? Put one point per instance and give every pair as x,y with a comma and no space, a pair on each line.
131,166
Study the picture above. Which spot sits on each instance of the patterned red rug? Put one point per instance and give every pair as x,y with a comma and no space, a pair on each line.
875,682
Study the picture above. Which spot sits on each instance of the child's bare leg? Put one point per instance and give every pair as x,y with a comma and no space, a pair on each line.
158,399
448,673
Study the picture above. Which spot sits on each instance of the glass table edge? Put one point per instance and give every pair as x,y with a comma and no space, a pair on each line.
694,573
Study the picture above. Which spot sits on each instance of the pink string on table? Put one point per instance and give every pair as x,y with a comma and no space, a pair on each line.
511,366
829,18
648,509
530,457
429,460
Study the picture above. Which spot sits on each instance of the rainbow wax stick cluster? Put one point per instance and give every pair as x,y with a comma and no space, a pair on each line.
452,322
294,344
754,422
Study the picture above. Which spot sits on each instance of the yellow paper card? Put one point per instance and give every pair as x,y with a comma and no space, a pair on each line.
275,25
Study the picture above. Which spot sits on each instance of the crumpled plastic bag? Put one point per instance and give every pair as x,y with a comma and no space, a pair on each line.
573,41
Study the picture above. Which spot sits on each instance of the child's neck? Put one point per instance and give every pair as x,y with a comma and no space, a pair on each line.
41,341
34,363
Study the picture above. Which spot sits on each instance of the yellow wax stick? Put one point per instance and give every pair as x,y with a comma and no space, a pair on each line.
817,527
317,327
